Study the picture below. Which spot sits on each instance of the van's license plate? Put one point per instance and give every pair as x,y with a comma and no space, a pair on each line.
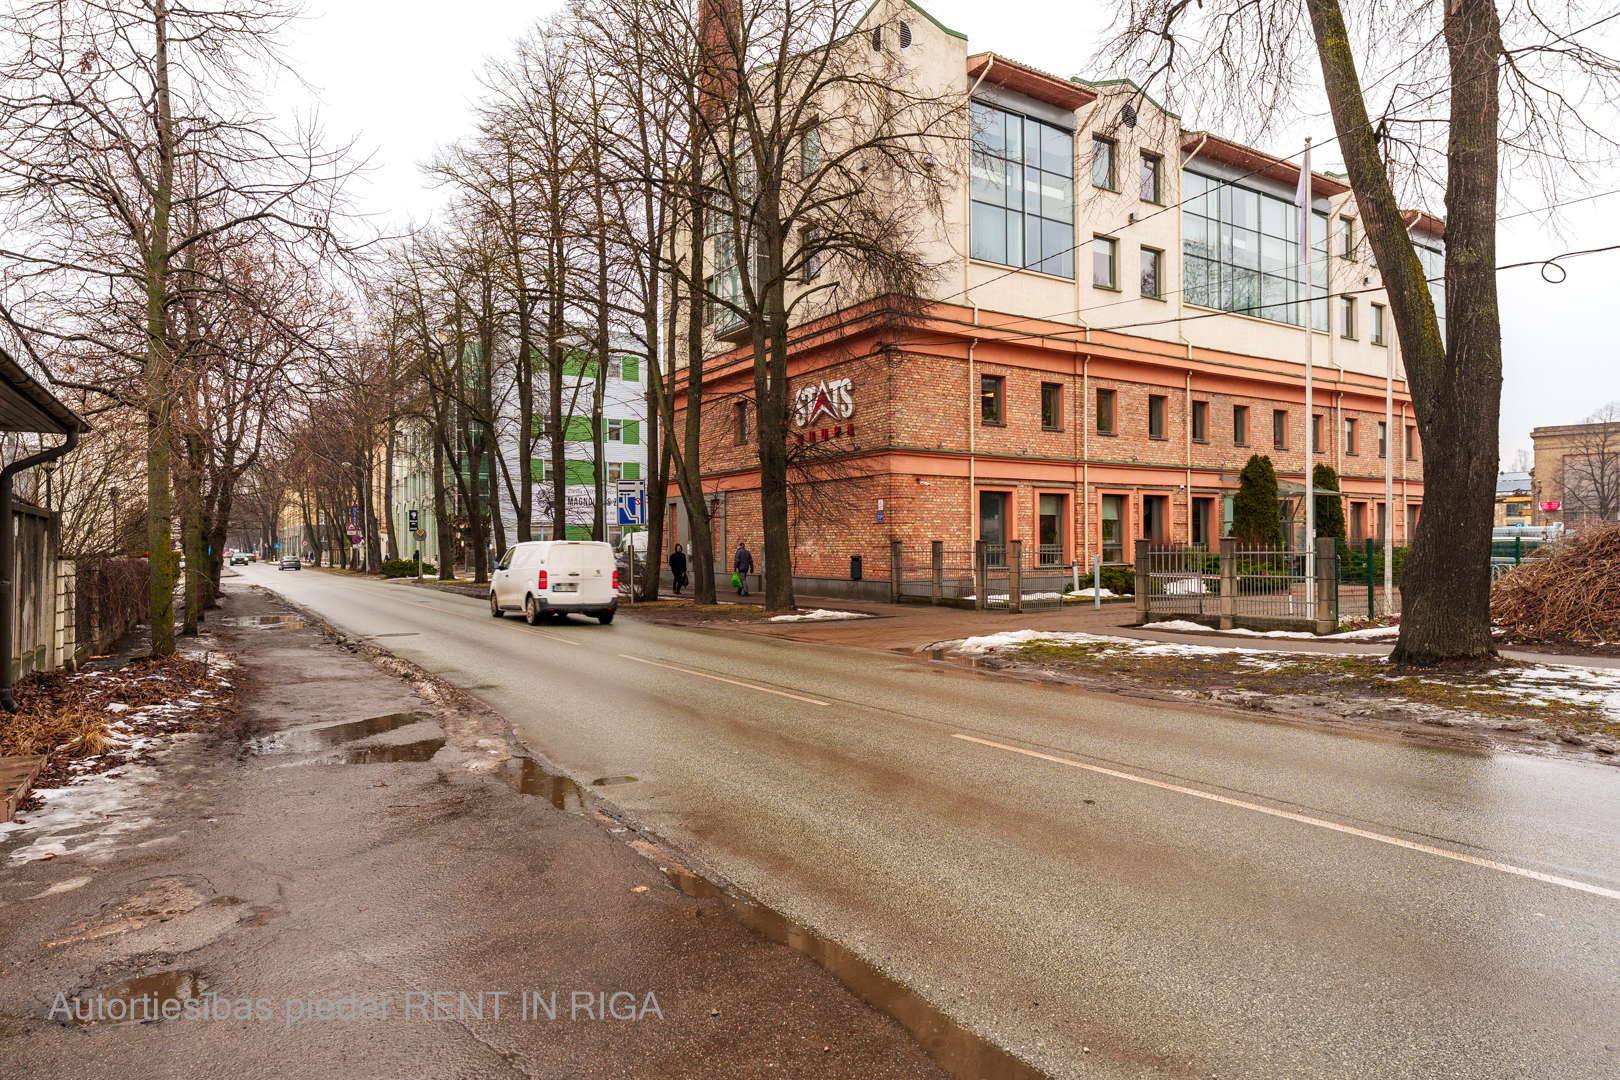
565,587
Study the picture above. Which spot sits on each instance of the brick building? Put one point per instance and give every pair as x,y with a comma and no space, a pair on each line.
1128,414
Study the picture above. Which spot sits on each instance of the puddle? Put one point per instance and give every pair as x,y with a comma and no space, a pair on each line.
143,1000
528,777
613,781
269,622
312,739
959,1051
373,755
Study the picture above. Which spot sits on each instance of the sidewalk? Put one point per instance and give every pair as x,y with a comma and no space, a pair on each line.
369,848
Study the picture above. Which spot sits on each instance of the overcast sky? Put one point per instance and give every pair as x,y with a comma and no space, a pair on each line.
398,77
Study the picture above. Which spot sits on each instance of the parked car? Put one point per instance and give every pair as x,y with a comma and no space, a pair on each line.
556,577
290,562
240,558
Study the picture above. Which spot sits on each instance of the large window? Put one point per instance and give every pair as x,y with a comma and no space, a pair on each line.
1023,192
1241,252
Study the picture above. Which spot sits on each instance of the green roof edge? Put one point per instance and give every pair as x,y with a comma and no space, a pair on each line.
920,10
1128,82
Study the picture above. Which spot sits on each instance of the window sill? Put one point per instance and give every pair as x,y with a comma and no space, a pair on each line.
1109,434
1160,299
973,261
1158,438
1348,337
992,423
1106,288
1200,442
1381,344
1053,429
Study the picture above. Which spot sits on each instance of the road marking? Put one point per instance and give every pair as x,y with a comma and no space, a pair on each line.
459,614
1505,868
717,678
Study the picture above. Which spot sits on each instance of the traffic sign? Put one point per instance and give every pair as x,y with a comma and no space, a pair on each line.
632,502
416,521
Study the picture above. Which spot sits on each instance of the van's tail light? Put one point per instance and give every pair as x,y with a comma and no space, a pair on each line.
615,581
542,585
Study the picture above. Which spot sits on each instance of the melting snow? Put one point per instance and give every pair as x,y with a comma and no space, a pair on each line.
819,615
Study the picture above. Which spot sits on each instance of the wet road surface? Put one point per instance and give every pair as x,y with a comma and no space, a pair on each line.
1060,879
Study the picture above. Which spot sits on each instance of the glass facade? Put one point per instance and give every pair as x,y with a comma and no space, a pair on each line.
1241,252
1434,268
1023,192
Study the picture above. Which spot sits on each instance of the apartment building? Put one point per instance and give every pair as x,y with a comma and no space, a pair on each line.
624,456
1120,324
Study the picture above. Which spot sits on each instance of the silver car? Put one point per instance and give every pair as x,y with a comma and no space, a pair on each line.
290,562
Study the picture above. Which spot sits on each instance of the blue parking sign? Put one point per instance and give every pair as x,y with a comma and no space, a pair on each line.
632,502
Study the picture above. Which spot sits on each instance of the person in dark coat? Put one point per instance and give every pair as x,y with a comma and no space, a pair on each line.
677,569
743,564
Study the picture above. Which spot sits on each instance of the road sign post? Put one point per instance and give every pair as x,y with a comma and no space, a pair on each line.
416,531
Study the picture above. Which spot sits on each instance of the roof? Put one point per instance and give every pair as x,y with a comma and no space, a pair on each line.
1424,223
1512,483
1031,82
25,405
1250,160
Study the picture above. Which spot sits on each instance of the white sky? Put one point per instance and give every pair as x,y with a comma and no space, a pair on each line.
399,76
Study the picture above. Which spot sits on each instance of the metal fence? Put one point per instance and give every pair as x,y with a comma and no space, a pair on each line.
1238,586
934,573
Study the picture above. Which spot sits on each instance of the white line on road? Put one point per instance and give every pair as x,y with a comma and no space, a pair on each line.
717,678
1319,822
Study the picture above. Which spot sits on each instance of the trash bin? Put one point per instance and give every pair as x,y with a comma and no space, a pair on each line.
854,568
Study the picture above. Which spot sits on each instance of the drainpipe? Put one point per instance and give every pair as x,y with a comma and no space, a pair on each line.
8,557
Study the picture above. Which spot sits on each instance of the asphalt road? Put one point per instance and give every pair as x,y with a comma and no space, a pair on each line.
1161,893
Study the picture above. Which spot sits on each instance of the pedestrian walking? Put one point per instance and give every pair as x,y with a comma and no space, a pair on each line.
677,569
742,564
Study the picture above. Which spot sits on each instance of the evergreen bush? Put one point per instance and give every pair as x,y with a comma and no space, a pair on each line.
1256,512
1329,508
405,568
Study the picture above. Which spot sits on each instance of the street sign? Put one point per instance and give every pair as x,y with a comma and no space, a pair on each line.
632,502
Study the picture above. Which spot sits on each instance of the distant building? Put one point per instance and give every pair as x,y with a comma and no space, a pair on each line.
1576,475
1515,504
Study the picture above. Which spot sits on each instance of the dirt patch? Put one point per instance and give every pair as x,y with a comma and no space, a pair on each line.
1513,704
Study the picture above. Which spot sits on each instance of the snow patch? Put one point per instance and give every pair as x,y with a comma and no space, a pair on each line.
819,615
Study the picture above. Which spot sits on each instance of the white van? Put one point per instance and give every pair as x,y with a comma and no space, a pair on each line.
556,576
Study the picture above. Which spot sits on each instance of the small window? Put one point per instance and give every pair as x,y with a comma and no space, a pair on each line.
1347,317
615,430
1349,435
742,423
905,35
1105,263
1316,433
877,39
809,152
1240,425
810,238
1279,429
1105,412
1200,421
1102,164
1155,416
1347,238
1378,324
1152,166
1052,406
615,471
1152,274
990,388
615,368
1383,439
1411,443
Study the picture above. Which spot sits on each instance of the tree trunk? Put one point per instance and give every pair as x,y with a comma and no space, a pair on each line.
191,533
388,492
160,564
1457,383
770,391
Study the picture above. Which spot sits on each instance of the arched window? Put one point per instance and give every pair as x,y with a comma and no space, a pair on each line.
905,35
877,39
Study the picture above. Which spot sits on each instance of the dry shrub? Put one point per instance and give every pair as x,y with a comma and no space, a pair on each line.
58,714
1571,594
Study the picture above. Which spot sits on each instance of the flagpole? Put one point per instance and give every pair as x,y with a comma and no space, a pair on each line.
1305,221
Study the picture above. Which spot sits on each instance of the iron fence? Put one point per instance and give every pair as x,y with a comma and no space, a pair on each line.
1261,588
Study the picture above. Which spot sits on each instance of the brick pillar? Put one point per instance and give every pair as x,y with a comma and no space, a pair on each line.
936,557
1228,582
897,568
979,556
1141,581
1015,576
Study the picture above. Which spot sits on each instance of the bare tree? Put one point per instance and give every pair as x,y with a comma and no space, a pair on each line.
130,133
1591,468
1464,87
